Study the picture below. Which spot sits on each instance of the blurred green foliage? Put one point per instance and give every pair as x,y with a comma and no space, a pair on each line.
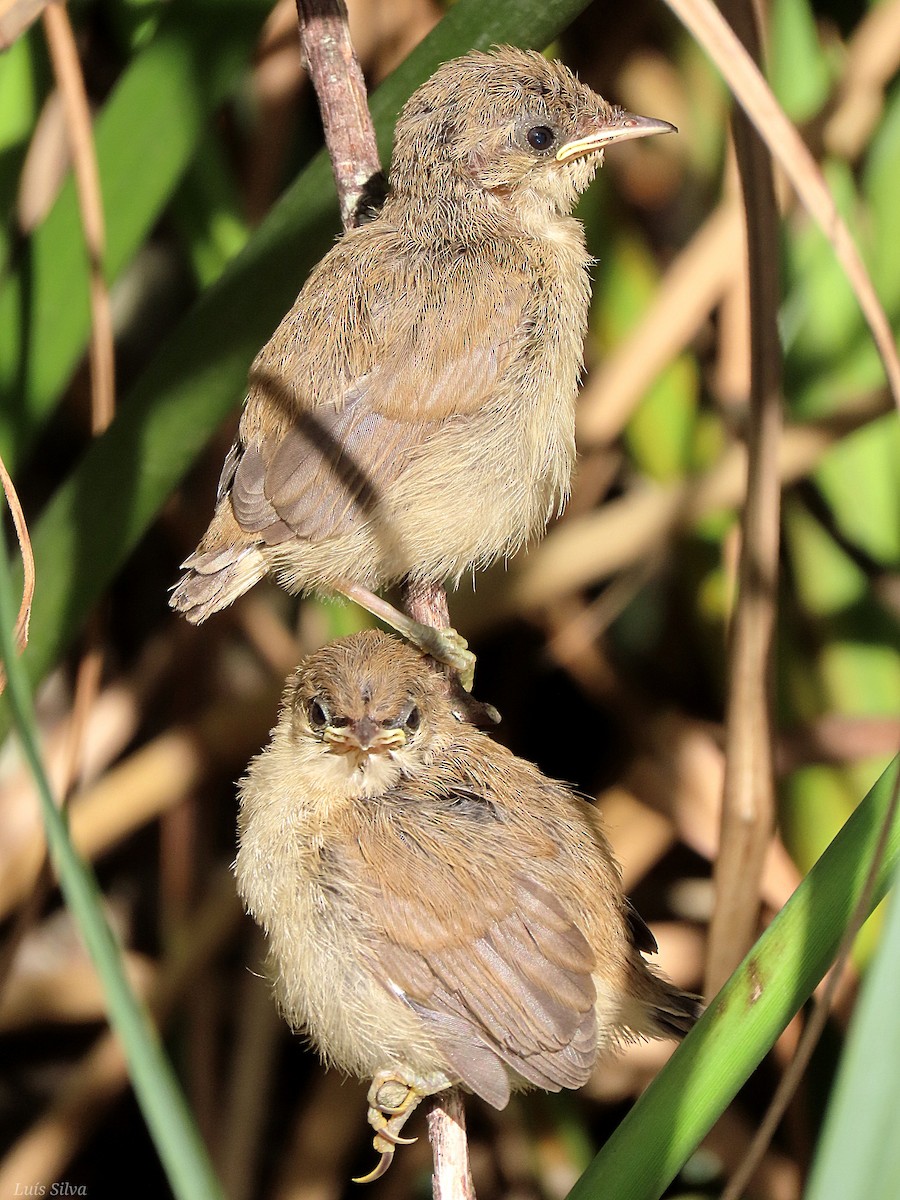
168,161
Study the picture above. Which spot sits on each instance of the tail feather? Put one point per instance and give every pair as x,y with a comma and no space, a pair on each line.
658,1008
224,566
674,1012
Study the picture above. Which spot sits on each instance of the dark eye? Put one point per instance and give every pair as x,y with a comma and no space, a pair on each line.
318,714
409,718
540,138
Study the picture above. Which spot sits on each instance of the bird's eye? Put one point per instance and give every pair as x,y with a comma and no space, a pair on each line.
540,138
409,718
318,714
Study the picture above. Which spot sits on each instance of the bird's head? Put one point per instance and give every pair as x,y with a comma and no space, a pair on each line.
365,711
511,123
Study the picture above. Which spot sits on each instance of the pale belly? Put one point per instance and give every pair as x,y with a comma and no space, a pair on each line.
478,490
319,966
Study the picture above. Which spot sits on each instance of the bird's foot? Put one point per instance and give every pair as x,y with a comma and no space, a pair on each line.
445,645
392,1100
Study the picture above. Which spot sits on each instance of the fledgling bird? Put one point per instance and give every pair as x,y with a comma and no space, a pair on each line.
413,414
438,912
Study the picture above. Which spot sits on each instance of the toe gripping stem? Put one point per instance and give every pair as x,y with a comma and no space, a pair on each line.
391,1103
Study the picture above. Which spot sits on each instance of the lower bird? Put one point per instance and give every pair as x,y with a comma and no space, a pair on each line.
439,913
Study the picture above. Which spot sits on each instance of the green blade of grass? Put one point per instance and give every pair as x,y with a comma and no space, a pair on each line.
743,1022
859,1152
162,1102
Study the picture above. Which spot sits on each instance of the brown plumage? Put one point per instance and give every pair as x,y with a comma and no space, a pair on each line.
413,414
438,911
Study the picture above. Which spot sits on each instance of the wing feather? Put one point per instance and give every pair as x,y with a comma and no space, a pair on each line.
352,411
503,979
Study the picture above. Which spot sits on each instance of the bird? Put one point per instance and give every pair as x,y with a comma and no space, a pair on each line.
412,417
438,912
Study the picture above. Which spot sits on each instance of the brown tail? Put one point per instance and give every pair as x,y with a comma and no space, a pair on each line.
673,1012
661,1009
657,1008
224,566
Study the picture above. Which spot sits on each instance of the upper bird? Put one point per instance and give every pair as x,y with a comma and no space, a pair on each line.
413,414
438,911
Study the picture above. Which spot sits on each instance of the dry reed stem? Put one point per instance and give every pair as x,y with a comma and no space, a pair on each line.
707,270
836,738
872,61
341,91
87,691
777,1177
23,537
112,724
70,81
573,636
15,18
732,369
243,1116
274,643
87,687
67,993
639,835
710,29
748,803
691,287
324,1136
277,85
151,781
452,1179
76,110
680,773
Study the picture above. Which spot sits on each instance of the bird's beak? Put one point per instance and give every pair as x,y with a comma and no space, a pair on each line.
623,128
364,737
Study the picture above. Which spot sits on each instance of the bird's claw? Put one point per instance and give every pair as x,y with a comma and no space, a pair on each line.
387,1157
391,1101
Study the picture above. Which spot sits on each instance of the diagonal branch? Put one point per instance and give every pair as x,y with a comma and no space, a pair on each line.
711,31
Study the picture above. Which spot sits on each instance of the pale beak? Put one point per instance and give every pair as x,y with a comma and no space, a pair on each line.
624,128
364,737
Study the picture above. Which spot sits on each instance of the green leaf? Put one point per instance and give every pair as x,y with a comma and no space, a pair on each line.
659,435
820,318
879,185
860,480
20,98
743,1022
859,1151
798,68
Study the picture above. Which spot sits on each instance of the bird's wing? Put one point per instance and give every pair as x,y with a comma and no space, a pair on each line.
323,474
499,972
351,411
